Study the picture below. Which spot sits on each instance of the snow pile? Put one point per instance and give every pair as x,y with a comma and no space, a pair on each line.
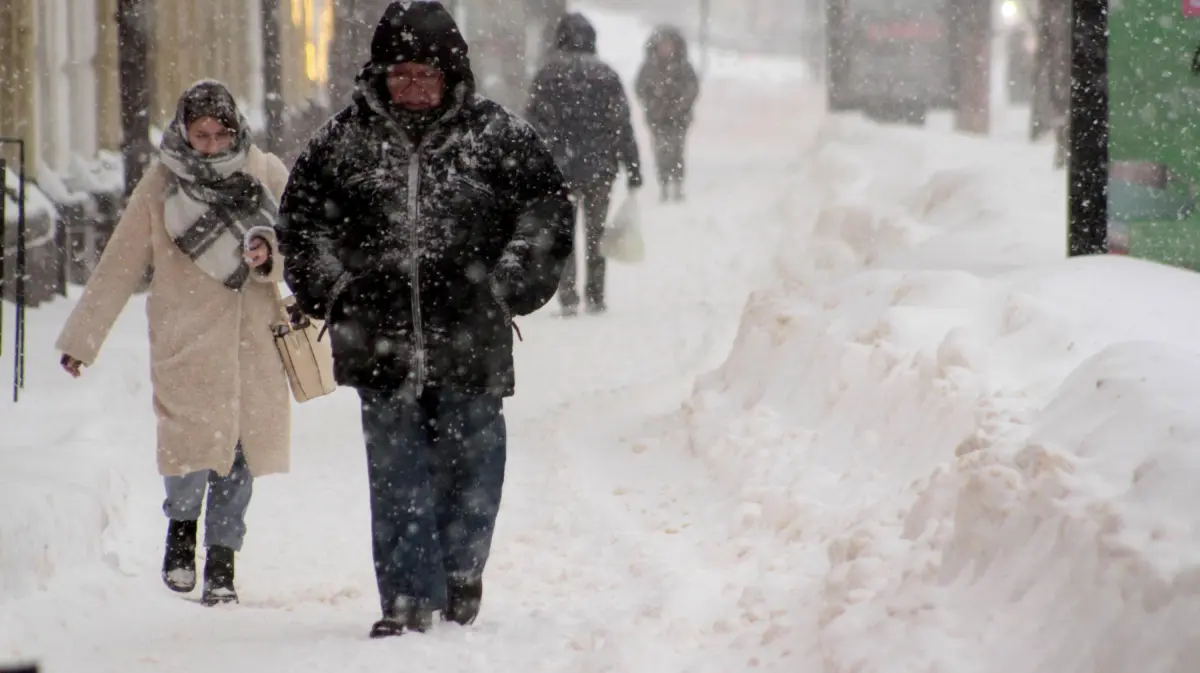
41,217
974,455
68,449
104,174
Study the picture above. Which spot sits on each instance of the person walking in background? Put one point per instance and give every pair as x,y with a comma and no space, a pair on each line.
203,218
667,88
579,106
419,221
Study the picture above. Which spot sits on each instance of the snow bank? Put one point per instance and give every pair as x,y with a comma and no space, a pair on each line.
66,452
41,217
993,447
103,174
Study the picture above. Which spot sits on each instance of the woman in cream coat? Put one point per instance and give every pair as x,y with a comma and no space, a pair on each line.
202,219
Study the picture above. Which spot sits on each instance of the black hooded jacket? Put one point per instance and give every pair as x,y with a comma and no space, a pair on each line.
419,243
667,87
578,104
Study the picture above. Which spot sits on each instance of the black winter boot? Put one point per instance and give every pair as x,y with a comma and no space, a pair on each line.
401,620
218,577
179,560
463,601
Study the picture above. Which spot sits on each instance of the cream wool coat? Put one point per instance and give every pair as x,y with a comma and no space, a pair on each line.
216,375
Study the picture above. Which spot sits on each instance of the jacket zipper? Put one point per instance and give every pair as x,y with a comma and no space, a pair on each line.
414,241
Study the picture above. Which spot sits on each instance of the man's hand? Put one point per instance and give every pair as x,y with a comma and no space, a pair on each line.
72,366
258,253
504,279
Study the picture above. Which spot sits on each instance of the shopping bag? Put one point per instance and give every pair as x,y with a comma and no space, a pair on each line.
622,241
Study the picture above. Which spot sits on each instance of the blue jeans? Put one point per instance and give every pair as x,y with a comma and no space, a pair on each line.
435,462
228,500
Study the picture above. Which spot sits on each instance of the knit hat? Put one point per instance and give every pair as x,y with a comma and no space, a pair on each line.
208,98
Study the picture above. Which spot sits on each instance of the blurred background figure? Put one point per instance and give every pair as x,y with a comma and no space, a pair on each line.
667,88
578,105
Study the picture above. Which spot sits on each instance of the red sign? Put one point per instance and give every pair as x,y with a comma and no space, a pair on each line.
920,31
1191,8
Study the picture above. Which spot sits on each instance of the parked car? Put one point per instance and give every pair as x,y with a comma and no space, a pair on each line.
891,59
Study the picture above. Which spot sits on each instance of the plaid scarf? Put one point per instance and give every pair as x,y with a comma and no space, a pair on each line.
212,205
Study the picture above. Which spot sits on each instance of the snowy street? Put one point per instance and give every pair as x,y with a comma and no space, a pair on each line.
854,413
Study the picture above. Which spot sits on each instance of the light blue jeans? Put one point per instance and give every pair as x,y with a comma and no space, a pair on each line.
228,500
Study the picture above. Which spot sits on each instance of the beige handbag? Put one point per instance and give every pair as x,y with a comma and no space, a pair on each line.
306,354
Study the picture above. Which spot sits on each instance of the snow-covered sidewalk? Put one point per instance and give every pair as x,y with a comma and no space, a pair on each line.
596,565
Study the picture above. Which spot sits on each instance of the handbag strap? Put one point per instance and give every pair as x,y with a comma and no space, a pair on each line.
285,312
281,304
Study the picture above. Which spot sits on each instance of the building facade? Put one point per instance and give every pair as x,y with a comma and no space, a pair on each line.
60,93
59,74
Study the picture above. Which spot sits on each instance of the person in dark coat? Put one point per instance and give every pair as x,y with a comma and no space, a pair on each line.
578,104
417,223
667,88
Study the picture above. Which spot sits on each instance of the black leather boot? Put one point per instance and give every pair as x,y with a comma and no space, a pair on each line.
402,619
179,560
218,577
463,601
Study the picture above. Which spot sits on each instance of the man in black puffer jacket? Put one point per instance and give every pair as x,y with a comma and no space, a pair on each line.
417,223
579,106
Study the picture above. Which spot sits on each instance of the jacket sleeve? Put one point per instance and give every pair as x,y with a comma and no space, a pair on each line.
690,89
309,217
527,274
126,259
621,117
543,110
275,180
642,84
540,111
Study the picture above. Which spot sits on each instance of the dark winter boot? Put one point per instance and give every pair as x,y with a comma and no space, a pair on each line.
218,577
179,561
463,601
398,621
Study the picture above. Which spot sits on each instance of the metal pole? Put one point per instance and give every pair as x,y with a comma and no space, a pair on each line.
3,235
20,272
971,30
272,74
1087,168
133,44
19,355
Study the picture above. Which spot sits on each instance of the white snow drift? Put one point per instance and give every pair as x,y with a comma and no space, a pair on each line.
995,451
